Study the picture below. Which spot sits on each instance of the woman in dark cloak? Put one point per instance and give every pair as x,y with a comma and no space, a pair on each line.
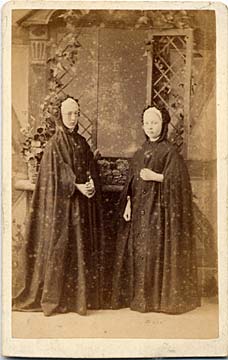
155,268
63,249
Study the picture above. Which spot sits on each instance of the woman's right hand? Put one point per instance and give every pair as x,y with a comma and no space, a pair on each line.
127,211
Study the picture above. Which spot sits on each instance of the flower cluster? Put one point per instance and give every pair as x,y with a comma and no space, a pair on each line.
114,171
34,142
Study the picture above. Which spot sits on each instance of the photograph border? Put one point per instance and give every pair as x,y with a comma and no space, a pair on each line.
106,348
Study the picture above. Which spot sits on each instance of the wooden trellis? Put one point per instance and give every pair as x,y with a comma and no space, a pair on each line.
169,79
85,123
65,72
168,82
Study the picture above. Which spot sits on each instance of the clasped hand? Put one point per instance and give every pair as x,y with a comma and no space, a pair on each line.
150,175
87,189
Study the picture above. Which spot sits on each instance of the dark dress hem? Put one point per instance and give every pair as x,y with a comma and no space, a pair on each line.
168,312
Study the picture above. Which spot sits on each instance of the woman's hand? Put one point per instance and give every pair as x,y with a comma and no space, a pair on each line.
87,189
127,211
150,175
90,187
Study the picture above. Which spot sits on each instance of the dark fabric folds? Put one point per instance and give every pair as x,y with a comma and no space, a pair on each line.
62,254
155,268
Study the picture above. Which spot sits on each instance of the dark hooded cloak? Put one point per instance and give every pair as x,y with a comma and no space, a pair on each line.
155,267
62,255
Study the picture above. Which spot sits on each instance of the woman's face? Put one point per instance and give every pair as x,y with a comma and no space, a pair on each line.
152,124
70,115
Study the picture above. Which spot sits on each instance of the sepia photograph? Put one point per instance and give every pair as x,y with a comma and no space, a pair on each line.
114,177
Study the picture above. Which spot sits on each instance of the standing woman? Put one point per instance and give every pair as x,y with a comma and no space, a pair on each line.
63,247
155,268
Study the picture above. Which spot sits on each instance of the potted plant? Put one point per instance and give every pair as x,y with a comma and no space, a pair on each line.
33,145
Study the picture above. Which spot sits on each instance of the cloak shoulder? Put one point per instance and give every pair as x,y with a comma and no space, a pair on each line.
177,191
56,171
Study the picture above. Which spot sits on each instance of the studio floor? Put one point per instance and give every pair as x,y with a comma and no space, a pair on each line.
201,323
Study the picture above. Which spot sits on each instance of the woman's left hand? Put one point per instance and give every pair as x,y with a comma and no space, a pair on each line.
150,175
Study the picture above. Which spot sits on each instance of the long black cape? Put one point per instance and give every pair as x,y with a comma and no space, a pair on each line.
62,254
155,267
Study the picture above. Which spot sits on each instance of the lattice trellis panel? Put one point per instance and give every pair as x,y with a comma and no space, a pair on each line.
171,76
85,123
63,74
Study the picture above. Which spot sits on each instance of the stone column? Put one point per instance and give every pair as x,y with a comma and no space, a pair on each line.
38,37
